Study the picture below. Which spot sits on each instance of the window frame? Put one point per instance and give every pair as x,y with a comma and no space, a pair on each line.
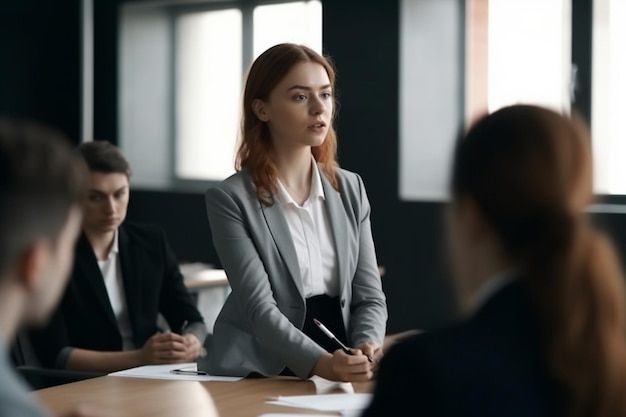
582,81
174,11
582,64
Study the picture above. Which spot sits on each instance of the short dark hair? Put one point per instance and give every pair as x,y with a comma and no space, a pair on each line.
41,178
103,156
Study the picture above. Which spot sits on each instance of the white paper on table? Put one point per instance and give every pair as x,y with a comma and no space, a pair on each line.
163,372
324,386
351,413
345,413
328,402
292,415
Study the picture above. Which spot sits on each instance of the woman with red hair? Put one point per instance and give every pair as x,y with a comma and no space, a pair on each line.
292,230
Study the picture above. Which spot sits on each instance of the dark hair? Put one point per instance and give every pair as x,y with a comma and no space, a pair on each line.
41,178
529,170
103,156
256,150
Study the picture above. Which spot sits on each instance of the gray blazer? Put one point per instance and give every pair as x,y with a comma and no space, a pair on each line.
259,326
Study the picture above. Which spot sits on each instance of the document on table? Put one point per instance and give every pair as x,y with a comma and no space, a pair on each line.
325,386
328,402
164,372
292,415
345,413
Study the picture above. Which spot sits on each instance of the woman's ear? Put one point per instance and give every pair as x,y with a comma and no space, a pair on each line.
260,110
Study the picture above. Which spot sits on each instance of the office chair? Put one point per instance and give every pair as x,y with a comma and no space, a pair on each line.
37,376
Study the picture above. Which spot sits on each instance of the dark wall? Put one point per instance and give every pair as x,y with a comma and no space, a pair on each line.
182,216
105,69
40,62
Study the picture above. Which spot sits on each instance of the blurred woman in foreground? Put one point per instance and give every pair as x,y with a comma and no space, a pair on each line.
546,334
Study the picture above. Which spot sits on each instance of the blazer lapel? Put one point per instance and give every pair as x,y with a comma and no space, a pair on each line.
130,260
339,226
88,264
282,238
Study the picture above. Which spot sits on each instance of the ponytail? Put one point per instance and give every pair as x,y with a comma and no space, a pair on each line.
529,169
578,287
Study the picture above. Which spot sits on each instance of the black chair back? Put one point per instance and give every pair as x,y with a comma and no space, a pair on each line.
37,376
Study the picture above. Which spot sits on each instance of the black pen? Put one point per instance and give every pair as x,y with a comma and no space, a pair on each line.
183,371
330,334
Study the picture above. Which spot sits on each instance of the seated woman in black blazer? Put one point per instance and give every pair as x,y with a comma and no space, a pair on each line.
547,333
124,275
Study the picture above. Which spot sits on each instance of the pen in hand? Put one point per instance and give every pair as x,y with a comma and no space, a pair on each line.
330,334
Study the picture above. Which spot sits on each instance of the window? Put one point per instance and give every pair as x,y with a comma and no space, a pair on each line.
608,92
181,79
430,92
518,51
530,44
459,60
207,91
298,22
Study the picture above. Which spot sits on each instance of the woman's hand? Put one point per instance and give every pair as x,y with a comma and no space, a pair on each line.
374,351
343,367
195,349
165,347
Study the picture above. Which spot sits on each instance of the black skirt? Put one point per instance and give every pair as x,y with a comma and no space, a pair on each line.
328,311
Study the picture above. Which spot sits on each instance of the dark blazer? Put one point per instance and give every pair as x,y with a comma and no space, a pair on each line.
153,284
491,365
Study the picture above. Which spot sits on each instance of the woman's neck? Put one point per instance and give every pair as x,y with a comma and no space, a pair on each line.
101,243
295,173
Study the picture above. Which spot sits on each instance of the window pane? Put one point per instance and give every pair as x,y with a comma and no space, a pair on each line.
529,53
207,92
144,83
297,22
609,90
429,95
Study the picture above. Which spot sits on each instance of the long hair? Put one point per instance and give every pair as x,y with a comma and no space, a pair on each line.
256,151
529,170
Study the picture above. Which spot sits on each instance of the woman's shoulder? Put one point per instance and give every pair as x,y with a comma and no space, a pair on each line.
237,183
348,181
347,175
238,189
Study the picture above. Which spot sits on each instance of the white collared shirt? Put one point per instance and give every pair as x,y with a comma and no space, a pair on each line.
312,237
112,274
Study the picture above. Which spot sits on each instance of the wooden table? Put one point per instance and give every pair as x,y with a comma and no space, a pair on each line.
134,397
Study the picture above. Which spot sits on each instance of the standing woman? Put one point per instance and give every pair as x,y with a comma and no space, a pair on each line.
292,230
547,334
